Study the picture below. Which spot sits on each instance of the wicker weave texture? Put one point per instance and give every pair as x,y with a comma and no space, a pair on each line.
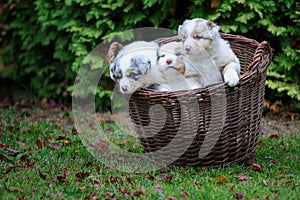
189,117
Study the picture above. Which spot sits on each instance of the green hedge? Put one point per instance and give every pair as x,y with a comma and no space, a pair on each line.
46,41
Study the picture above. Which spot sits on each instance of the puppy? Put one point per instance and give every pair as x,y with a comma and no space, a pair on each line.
135,67
199,36
170,62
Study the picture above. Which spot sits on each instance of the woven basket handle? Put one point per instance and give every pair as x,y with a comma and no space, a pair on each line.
112,51
262,57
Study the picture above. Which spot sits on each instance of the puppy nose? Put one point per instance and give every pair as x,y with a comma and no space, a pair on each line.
124,88
188,47
169,61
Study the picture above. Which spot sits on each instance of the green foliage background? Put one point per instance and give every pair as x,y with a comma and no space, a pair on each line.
43,43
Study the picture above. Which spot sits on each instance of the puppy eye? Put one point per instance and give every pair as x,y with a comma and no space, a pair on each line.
160,56
133,76
177,54
198,37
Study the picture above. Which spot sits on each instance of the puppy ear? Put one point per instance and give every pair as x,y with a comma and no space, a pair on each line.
111,70
186,21
142,63
215,29
179,29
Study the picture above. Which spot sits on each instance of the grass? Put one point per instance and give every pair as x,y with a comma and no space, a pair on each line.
42,157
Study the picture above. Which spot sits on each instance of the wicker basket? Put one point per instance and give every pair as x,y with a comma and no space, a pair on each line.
238,118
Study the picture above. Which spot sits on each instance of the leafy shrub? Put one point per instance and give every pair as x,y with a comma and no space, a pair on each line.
47,41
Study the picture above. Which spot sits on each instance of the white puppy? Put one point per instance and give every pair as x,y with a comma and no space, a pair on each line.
170,62
202,42
135,67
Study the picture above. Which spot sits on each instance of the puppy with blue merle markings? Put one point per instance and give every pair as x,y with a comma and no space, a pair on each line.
201,37
135,67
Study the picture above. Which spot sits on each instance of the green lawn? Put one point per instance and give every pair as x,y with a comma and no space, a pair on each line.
42,157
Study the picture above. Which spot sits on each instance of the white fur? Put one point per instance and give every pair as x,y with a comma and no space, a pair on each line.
171,64
208,53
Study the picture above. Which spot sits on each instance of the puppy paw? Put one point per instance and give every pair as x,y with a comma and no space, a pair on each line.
231,78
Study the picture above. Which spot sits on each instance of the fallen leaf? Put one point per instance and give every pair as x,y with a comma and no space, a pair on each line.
66,172
50,139
169,177
161,176
143,189
81,189
281,175
97,186
31,165
74,131
137,193
62,179
275,191
128,180
223,179
22,144
170,198
94,180
231,187
201,173
9,169
3,145
51,185
184,194
52,145
125,192
67,142
151,178
82,175
109,194
267,182
289,182
281,144
43,175
158,189
274,161
113,179
257,168
102,144
239,195
244,177
38,143
273,136
14,151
